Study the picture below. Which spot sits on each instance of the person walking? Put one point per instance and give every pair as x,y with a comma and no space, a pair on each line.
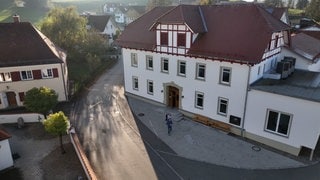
169,123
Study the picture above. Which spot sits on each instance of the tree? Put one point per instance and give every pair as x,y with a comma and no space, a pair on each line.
57,124
273,3
302,4
65,27
154,3
313,10
291,3
40,100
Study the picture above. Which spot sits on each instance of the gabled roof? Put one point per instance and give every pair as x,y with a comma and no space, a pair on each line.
306,46
4,135
277,12
98,22
237,32
22,44
187,14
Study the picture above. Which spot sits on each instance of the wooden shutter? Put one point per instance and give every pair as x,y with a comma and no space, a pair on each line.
55,72
15,76
36,74
21,96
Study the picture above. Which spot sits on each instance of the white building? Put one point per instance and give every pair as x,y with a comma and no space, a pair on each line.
29,59
6,160
206,61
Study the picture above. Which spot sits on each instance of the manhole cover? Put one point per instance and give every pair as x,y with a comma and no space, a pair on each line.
141,114
256,148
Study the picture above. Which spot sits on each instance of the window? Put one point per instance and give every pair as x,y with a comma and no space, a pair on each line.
278,122
165,65
164,38
259,70
181,40
150,87
276,42
181,68
199,100
222,106
225,75
26,75
201,71
5,77
135,83
134,60
47,73
149,62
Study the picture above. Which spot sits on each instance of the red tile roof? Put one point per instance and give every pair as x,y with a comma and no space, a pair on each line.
98,22
22,44
4,135
306,46
236,32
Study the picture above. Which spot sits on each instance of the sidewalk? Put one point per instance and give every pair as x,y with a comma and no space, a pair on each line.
196,141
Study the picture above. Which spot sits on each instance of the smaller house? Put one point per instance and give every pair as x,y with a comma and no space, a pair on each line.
104,24
134,12
280,13
306,50
6,160
29,59
109,8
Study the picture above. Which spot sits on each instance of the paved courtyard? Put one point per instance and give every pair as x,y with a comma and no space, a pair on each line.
39,156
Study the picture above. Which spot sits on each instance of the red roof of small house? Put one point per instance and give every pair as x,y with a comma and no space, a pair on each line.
4,135
98,22
234,32
22,44
306,46
278,12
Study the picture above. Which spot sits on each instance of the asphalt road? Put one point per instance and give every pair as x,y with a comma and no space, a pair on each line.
119,146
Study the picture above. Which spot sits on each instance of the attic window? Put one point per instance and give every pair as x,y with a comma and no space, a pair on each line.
181,40
164,38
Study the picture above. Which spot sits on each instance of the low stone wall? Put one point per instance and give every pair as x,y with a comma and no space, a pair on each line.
27,118
82,156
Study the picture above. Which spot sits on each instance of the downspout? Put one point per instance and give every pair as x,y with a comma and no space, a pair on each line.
245,101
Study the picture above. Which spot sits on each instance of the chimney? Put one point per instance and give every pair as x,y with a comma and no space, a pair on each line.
16,18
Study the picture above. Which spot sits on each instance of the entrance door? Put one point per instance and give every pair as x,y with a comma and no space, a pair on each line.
11,96
173,97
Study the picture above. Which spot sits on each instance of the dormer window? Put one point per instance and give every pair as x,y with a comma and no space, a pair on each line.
164,38
181,40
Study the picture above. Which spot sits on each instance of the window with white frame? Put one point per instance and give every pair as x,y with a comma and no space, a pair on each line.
278,122
26,75
201,71
149,62
150,87
225,75
181,68
134,59
199,100
47,73
135,83
164,65
5,77
222,106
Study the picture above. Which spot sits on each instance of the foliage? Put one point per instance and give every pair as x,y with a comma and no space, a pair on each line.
274,3
302,4
313,10
154,3
290,3
57,124
205,2
295,12
64,27
40,100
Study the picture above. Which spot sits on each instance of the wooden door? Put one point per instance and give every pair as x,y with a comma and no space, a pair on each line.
11,96
173,97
